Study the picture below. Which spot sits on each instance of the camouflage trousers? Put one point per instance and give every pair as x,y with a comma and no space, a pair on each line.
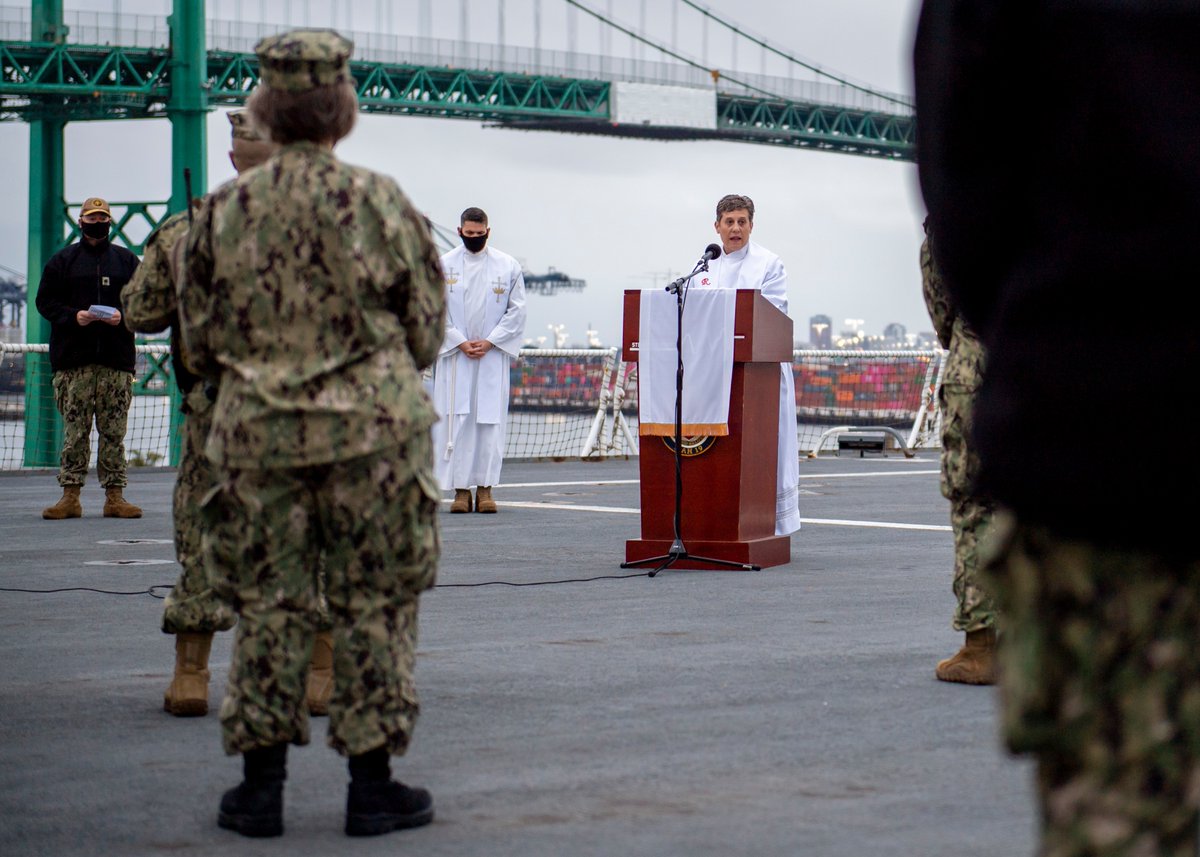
970,518
82,395
1100,680
192,606
374,518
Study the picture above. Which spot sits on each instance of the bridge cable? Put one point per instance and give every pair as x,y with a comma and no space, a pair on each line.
813,68
443,233
690,62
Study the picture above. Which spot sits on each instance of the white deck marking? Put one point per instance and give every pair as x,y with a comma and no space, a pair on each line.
619,510
883,525
570,507
635,481
863,475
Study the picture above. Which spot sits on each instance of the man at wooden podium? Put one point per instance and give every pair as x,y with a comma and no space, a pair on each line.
744,264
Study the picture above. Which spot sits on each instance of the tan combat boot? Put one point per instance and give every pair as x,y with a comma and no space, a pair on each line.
188,694
483,500
116,506
320,675
462,501
67,506
974,663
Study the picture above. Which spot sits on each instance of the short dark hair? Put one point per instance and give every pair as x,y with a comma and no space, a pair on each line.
315,115
474,215
735,202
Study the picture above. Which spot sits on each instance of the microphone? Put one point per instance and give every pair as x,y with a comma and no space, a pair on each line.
711,252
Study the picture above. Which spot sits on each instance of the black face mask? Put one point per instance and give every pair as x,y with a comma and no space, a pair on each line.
474,243
98,230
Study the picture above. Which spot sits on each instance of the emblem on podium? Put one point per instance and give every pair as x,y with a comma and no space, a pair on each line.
692,445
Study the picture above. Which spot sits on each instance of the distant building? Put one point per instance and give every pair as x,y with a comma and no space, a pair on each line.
820,331
851,334
552,283
896,332
13,298
852,328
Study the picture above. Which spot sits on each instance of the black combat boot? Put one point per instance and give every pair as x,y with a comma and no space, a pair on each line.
255,808
377,803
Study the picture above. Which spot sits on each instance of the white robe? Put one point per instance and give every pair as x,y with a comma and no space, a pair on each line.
756,267
485,299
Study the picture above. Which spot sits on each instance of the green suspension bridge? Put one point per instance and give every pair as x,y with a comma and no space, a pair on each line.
137,67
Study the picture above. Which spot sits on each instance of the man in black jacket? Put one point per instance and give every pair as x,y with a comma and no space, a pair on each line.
1054,237
92,357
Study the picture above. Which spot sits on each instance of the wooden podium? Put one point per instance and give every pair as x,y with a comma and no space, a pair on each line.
728,500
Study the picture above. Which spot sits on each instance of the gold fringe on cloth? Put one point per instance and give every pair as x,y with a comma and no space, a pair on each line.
687,430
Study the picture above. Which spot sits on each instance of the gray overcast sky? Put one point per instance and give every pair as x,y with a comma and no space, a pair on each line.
618,213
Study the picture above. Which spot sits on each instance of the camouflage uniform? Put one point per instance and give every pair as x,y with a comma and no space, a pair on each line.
1100,678
313,290
193,605
377,514
1096,583
150,307
970,517
84,393
93,364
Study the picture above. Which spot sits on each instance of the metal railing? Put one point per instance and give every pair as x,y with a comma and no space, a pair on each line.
566,403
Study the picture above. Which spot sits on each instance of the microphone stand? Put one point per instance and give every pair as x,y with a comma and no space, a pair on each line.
678,550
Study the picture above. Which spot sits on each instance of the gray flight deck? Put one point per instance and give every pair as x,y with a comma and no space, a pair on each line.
790,711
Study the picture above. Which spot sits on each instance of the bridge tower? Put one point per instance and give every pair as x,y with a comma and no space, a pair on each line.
48,213
43,427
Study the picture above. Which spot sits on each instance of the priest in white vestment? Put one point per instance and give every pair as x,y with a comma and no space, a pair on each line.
746,265
485,324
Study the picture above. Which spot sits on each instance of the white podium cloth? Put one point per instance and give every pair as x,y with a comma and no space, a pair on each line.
707,350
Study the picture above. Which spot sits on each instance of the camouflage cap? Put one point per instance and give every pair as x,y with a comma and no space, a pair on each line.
300,60
244,127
